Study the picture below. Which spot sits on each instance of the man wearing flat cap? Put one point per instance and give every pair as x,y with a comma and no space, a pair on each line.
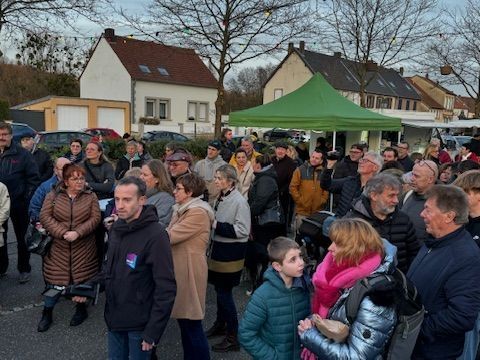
207,167
284,167
179,164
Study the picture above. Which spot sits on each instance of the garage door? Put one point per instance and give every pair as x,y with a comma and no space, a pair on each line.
111,118
72,117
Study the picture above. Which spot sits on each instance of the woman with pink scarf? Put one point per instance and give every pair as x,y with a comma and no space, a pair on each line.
357,251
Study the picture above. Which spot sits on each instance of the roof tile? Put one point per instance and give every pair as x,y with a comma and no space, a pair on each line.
184,66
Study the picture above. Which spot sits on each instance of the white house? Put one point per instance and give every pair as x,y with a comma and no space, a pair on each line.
168,83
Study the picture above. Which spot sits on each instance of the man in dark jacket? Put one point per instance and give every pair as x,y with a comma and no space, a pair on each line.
351,187
19,172
284,167
403,158
228,147
378,206
41,157
445,273
348,166
138,274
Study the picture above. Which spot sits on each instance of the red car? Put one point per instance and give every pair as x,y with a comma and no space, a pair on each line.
106,133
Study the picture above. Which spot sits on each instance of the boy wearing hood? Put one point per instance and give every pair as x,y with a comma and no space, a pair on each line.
268,329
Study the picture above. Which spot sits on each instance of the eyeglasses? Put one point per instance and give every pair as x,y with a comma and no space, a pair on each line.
364,160
80,179
423,162
356,151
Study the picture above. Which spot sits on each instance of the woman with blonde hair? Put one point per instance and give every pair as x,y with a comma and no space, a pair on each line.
356,252
432,152
159,189
293,154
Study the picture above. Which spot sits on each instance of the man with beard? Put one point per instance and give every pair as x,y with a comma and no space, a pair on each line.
378,206
305,188
19,173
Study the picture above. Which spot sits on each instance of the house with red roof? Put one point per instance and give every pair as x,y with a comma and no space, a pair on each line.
168,84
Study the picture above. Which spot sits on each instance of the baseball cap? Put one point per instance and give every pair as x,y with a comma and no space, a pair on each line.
216,144
180,156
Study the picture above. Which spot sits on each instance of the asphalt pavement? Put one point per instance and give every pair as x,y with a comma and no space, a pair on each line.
21,307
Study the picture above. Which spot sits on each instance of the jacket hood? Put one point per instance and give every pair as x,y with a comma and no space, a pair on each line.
267,171
195,203
147,216
135,157
362,205
389,261
272,276
218,160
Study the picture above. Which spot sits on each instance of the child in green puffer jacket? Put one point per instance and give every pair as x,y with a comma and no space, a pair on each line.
268,329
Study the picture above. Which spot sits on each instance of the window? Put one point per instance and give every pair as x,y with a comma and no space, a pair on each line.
384,103
163,71
399,104
380,82
277,94
157,108
197,111
144,69
407,105
370,101
379,102
414,106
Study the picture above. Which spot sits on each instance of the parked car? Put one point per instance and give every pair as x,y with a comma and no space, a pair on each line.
20,130
55,140
277,134
163,135
106,133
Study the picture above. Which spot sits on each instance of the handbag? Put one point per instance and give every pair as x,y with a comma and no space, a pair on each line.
37,240
273,215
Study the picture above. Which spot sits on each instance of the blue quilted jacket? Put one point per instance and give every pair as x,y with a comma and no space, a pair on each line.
268,329
369,332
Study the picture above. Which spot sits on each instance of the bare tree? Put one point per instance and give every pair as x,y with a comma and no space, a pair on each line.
377,32
51,52
44,14
458,50
245,90
227,32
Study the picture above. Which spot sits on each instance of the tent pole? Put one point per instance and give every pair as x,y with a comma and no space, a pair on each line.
334,145
399,137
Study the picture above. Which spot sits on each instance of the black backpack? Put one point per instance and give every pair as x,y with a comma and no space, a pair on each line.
409,309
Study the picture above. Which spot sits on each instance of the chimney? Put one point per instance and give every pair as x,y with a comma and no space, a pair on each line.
302,46
109,34
401,70
290,47
337,54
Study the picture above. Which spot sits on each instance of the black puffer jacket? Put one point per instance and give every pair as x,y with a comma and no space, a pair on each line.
263,193
350,189
396,228
345,168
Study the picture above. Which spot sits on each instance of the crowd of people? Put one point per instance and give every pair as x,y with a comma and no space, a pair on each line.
153,233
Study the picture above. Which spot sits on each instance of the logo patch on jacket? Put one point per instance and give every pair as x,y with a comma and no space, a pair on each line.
131,260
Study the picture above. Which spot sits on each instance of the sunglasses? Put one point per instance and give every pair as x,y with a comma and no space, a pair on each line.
423,162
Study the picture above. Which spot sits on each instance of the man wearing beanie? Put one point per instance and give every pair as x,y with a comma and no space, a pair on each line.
207,167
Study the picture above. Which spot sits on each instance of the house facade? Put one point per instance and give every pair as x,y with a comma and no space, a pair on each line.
442,96
385,89
167,84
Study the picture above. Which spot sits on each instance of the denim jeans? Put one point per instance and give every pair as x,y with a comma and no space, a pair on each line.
226,310
126,345
472,339
194,341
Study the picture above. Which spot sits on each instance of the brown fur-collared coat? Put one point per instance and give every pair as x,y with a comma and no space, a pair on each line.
70,262
189,232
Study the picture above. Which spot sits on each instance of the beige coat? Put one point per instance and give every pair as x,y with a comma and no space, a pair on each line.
245,179
4,209
189,232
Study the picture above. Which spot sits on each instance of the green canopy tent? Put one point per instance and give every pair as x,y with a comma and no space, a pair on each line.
314,106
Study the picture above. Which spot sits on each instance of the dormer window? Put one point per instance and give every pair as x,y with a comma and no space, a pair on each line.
163,71
144,69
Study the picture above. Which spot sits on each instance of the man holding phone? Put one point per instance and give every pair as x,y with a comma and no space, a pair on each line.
138,275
